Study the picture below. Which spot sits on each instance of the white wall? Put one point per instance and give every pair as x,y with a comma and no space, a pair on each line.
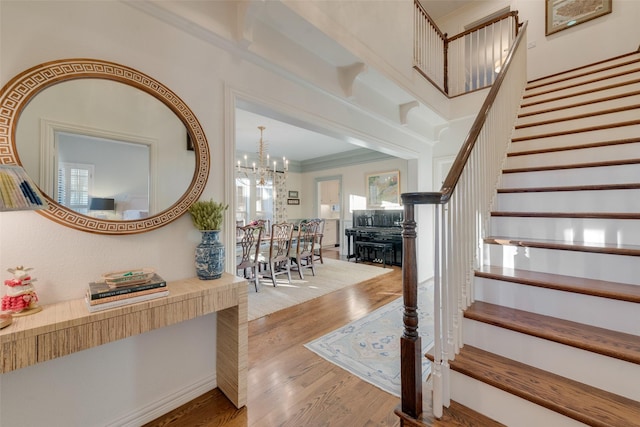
607,36
124,383
100,386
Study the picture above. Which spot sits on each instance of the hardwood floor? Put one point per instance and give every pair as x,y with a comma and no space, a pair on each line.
289,385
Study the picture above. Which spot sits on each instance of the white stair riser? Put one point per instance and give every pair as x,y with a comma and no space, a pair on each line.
577,124
564,102
613,268
619,201
589,368
573,139
540,94
578,74
595,311
626,232
621,174
585,155
503,407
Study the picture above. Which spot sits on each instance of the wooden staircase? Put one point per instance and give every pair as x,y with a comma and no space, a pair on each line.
553,337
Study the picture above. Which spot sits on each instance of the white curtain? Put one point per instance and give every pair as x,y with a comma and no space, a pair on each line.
280,198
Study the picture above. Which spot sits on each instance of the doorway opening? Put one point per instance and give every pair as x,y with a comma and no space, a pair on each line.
329,207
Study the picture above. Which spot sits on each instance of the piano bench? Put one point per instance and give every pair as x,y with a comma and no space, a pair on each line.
384,248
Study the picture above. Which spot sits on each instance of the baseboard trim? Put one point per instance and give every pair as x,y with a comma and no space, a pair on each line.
170,402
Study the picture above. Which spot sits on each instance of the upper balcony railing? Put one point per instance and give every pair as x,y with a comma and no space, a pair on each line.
467,61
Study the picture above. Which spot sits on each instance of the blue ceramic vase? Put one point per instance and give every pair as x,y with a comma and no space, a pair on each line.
210,256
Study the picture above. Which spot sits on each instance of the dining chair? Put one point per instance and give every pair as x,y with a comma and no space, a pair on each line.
239,233
248,248
317,250
304,247
265,224
276,259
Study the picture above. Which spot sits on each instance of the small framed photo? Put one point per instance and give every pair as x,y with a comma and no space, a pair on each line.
293,201
293,195
563,14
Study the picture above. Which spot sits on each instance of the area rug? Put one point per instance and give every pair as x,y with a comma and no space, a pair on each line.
370,347
330,276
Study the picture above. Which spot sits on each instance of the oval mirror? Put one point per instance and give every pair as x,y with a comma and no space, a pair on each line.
113,150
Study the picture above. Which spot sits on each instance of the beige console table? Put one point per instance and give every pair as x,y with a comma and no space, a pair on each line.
66,327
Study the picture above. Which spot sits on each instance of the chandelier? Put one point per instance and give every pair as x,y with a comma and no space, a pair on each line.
263,168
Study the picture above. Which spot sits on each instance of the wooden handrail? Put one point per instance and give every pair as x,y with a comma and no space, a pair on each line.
410,341
449,184
442,35
505,15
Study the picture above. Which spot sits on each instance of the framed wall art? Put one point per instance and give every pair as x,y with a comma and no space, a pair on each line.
293,194
293,201
383,189
563,14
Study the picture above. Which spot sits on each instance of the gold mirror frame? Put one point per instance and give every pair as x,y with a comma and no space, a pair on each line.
16,94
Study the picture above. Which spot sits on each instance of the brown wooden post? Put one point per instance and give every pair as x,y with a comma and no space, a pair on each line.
410,344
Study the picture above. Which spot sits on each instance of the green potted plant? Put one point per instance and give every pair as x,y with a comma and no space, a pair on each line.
207,216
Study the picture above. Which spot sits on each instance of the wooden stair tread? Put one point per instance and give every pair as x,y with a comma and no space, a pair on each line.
566,75
607,163
528,89
579,93
599,288
576,215
592,187
609,343
578,116
574,131
579,401
603,248
583,103
575,147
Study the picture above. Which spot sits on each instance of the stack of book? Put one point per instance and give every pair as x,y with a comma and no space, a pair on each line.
103,296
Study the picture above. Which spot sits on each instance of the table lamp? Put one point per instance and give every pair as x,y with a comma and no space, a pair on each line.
18,193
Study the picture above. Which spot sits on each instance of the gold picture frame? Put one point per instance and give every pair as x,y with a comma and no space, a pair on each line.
383,189
564,14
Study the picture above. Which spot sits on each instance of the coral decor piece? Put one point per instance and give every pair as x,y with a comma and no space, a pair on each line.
21,297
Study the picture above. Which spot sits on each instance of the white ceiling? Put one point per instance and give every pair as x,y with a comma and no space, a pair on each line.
284,139
300,141
439,8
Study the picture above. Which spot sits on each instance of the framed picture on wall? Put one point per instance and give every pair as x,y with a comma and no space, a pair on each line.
293,194
293,201
563,14
383,189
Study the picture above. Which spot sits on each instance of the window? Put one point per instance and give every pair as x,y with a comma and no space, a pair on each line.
243,199
264,200
253,200
74,186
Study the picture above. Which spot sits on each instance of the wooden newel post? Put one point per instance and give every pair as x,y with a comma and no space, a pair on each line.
410,344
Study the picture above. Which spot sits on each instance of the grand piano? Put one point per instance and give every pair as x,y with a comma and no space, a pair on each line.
376,226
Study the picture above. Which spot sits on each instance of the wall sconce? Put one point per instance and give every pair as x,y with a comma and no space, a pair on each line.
18,193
